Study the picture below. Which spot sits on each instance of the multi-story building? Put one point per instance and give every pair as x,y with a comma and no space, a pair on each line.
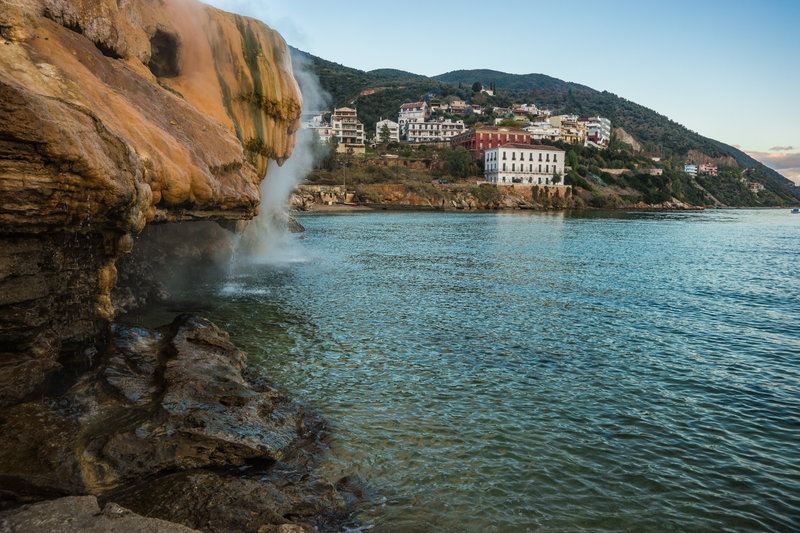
412,112
542,129
572,130
708,169
458,107
483,138
346,128
598,131
434,130
690,169
524,163
394,130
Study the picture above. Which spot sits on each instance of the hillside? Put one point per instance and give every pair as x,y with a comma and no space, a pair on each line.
658,134
508,81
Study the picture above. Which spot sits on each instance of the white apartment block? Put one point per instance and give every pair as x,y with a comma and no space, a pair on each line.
434,130
346,127
412,112
394,130
525,164
542,129
598,131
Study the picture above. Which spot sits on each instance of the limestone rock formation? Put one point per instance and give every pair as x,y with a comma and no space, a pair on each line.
114,114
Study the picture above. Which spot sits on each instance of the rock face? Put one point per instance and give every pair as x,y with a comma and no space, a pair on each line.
218,450
82,514
113,115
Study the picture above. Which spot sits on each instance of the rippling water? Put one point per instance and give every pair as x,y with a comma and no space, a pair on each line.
543,371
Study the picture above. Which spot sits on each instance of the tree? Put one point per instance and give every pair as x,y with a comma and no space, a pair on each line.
556,179
385,133
459,162
572,159
477,87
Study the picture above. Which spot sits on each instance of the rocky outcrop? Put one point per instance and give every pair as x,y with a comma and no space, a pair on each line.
440,196
171,426
82,514
114,115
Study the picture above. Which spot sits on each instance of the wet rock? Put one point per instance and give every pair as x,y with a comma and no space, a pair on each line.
170,400
260,501
82,514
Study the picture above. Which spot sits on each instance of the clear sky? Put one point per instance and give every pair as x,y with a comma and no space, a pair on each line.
729,70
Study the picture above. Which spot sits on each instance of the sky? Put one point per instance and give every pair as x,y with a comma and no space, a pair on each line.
729,70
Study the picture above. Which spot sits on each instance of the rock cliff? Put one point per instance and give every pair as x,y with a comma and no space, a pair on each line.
115,114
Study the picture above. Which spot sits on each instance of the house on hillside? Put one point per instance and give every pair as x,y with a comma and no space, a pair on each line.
708,169
482,138
394,130
690,169
598,132
347,129
524,163
412,112
434,130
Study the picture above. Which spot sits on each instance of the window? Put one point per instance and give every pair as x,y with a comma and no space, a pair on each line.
548,157
521,156
540,181
530,156
554,157
513,156
547,168
540,158
504,167
504,156
540,169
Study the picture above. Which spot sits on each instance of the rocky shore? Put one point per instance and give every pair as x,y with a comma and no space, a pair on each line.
134,137
170,424
452,197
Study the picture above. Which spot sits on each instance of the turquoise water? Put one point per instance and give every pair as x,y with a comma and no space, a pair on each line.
543,371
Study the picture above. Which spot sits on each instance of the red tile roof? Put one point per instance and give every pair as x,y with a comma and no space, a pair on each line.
413,104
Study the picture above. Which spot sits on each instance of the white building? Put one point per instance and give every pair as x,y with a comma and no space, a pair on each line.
690,169
394,130
346,127
598,132
412,112
434,130
524,163
542,129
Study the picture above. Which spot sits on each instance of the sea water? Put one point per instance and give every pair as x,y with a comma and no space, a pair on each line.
553,371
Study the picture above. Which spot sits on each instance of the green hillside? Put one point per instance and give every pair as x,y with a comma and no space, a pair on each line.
379,93
508,81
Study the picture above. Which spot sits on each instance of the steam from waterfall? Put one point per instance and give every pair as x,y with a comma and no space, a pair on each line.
266,237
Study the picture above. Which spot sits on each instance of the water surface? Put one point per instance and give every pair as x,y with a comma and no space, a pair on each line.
542,371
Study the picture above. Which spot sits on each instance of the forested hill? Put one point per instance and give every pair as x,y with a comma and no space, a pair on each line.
379,93
508,81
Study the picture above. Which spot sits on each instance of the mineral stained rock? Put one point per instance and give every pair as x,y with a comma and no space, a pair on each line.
114,114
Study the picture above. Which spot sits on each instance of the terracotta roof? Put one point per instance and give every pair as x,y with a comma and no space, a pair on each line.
413,104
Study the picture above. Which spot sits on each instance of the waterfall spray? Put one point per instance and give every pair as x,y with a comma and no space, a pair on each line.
267,237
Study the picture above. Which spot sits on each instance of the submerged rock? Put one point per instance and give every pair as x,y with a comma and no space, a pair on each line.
174,407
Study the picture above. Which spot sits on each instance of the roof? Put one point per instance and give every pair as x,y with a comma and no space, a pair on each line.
532,147
412,104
